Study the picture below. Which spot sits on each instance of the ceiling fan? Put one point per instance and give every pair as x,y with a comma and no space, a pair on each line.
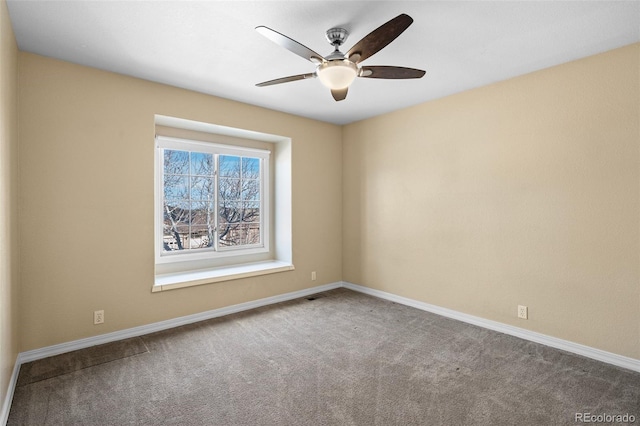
338,70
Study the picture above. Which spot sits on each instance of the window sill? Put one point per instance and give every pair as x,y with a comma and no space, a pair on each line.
206,276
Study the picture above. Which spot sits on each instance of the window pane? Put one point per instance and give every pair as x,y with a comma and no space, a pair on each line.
239,203
229,166
201,237
228,235
201,164
239,224
251,212
202,213
230,212
229,189
176,213
240,234
175,238
250,168
202,188
251,190
176,162
251,233
176,187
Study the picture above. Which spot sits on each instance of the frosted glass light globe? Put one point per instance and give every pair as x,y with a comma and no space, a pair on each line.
337,74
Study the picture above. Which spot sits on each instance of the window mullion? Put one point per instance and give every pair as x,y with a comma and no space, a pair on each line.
216,203
190,189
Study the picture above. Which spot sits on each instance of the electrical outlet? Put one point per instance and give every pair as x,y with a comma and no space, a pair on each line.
313,276
98,317
523,312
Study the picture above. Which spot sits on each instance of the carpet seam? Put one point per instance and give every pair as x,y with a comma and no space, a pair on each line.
86,367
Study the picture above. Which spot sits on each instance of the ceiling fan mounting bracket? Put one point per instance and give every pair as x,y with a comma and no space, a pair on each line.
337,36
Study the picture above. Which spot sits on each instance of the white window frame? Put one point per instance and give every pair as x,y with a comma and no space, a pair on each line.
164,142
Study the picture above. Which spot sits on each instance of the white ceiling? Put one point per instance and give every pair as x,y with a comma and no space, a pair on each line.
212,47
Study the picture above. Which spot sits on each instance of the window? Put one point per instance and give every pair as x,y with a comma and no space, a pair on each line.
222,205
212,200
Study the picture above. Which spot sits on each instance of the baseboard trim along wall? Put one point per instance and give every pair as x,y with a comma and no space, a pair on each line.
6,405
586,351
554,342
164,325
61,348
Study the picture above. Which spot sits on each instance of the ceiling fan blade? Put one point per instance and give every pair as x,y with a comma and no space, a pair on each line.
339,94
286,79
379,38
290,44
383,71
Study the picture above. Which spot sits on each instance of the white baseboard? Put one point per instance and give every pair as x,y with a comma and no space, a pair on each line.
61,348
6,405
589,352
164,325
554,342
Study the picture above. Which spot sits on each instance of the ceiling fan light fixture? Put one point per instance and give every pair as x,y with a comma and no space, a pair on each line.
337,74
338,70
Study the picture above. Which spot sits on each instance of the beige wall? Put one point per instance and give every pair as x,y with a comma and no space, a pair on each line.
521,192
8,201
86,212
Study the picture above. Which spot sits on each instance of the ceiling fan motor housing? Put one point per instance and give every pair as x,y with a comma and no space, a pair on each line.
337,36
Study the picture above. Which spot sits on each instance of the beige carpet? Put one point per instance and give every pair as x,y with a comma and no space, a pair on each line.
343,358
